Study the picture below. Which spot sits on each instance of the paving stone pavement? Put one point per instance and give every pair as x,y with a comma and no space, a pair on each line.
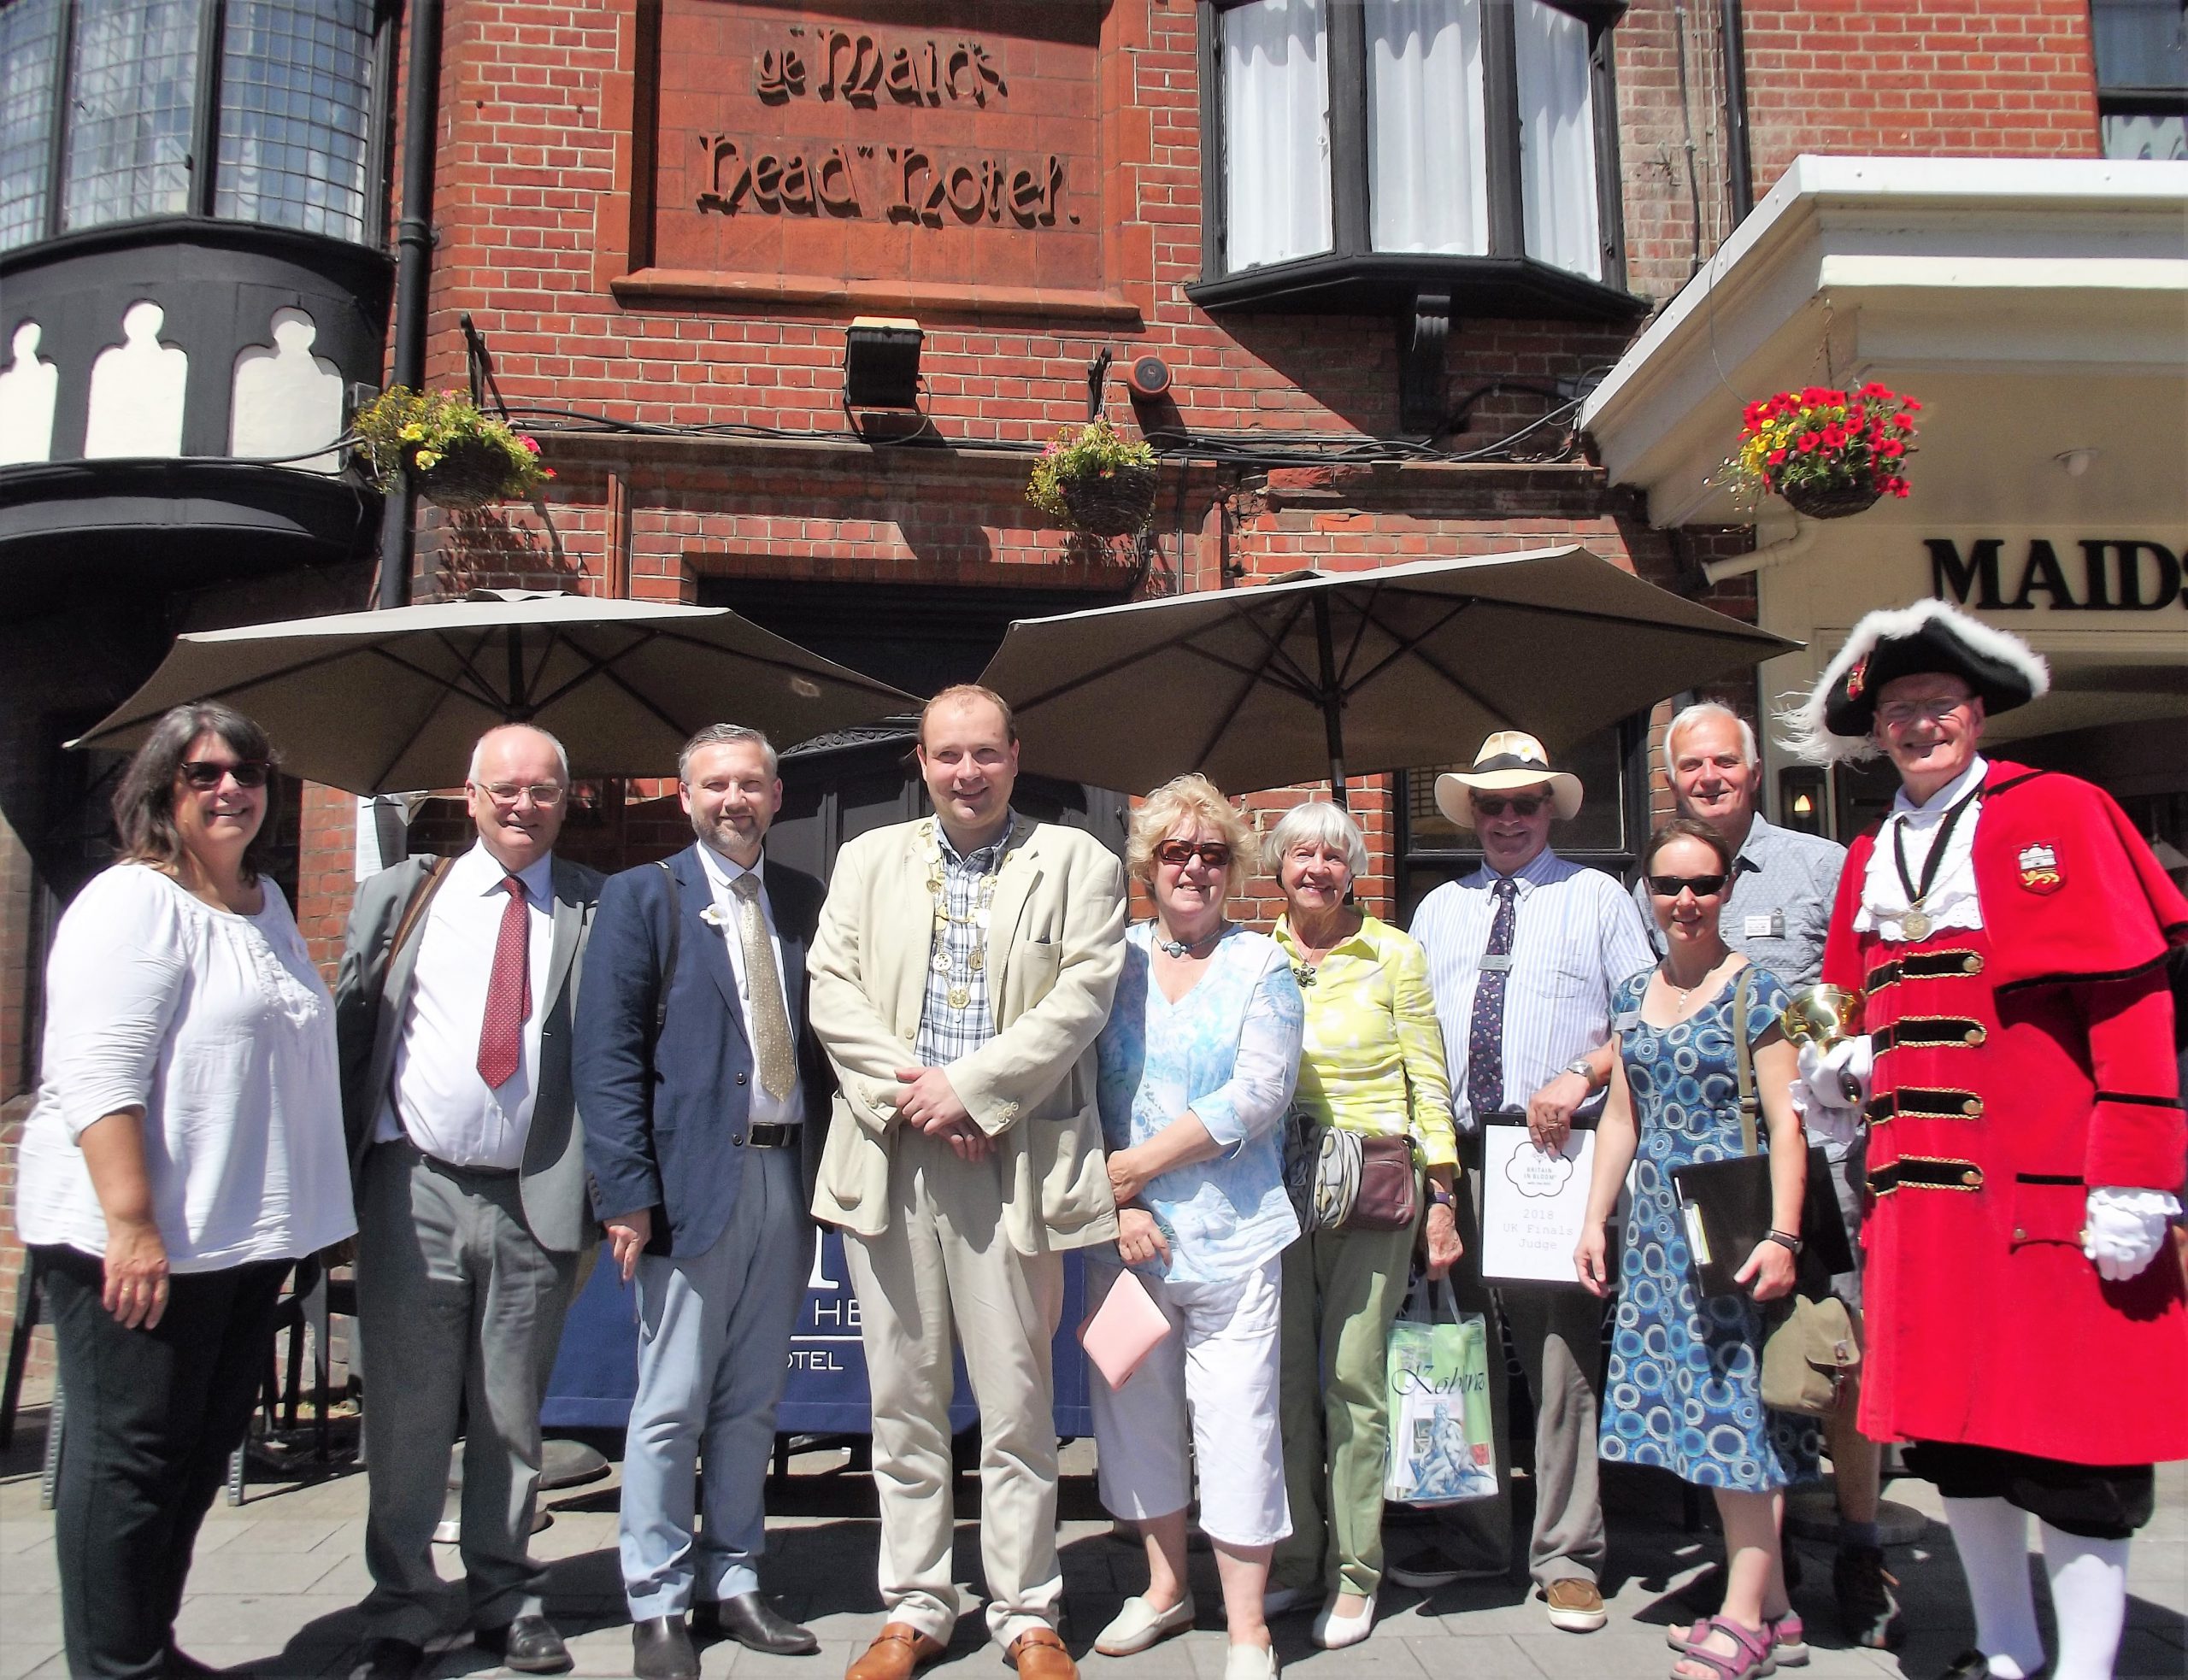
276,1582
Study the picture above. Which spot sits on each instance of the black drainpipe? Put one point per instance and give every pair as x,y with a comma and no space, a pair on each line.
1739,163
414,243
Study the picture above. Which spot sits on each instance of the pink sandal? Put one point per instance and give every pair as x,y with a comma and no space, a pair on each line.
1788,1638
1752,1655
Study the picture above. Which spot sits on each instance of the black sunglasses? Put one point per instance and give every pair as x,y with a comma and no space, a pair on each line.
1702,886
204,773
1179,853
1522,804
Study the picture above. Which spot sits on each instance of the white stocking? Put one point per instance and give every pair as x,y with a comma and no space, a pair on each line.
1992,1537
2089,1599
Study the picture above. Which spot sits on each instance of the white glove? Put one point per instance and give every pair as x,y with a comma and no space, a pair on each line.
2125,1228
1833,1088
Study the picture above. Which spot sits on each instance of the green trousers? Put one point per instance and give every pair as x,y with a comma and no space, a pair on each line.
1341,1291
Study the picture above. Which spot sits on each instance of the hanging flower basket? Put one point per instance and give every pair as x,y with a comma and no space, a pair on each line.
1092,480
1831,502
1829,453
459,457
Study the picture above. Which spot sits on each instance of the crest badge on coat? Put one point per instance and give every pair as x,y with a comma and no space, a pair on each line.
2040,868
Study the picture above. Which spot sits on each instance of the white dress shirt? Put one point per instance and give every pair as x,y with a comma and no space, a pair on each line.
1951,900
436,1095
766,1109
220,1028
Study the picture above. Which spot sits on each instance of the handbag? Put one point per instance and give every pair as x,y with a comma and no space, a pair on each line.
1809,1345
1124,1330
1443,1446
1341,1180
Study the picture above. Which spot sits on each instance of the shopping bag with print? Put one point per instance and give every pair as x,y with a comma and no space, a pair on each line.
1443,1448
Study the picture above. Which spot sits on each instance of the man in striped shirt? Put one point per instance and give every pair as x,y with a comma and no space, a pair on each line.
1524,956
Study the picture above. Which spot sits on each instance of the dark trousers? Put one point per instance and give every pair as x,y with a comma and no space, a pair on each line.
152,1418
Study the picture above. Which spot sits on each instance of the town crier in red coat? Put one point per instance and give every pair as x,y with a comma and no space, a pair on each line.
2010,929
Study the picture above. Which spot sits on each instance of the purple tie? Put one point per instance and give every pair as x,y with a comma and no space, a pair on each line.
1485,1035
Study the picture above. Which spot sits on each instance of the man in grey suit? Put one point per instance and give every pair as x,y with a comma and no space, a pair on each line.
454,1009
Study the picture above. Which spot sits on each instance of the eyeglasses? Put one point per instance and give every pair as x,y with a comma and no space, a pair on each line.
1899,713
204,774
1179,853
545,795
1521,804
1670,886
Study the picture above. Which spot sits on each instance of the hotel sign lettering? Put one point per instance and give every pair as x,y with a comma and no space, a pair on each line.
954,147
2094,575
925,185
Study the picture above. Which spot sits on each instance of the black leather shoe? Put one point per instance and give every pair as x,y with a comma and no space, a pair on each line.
754,1623
661,1649
388,1659
181,1665
1968,1665
529,1645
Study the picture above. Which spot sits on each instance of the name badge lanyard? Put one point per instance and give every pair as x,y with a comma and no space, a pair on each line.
1916,923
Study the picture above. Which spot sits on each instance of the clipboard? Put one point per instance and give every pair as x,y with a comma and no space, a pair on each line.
1533,1206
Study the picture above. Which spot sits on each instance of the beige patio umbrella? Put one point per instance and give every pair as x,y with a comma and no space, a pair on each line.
1326,673
374,703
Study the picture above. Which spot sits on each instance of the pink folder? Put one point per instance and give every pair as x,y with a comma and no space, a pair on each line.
1124,1331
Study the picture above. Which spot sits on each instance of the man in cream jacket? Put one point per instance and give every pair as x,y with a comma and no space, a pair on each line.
961,972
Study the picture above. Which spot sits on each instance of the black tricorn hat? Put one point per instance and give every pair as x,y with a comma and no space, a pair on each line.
1836,720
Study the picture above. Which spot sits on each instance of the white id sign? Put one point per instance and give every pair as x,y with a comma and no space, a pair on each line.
1534,1204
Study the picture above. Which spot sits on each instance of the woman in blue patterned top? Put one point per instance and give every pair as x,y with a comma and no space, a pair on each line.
1686,1387
1198,1065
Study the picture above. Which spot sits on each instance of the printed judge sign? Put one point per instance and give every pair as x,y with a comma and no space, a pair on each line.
1534,1204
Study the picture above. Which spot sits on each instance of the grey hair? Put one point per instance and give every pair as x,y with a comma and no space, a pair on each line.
1321,823
722,735
1710,708
478,748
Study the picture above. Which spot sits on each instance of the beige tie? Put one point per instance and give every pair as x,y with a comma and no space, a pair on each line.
765,1018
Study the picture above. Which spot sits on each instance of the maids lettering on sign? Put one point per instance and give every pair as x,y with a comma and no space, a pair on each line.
2109,575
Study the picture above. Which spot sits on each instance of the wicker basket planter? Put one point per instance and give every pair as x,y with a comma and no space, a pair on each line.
470,475
1831,502
1115,503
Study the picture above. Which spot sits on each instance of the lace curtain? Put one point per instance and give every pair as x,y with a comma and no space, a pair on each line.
1276,106
1557,139
1427,187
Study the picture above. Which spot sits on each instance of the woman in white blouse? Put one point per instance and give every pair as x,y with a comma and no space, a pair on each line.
185,1150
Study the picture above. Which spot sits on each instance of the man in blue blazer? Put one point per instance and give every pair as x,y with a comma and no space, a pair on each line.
704,1098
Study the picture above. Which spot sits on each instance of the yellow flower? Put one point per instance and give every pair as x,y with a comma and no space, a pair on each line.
428,457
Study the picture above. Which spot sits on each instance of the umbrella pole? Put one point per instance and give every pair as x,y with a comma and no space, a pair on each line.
1332,702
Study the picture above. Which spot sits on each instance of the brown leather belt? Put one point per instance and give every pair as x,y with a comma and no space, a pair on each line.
1924,966
1926,1172
771,1135
1944,1105
1944,1032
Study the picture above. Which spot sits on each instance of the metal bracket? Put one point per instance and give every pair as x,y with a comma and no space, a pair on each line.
1424,388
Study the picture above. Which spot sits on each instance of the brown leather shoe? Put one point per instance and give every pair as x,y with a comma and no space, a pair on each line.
898,1650
1039,1655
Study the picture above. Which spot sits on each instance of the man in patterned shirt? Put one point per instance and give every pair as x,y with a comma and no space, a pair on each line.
1524,956
962,971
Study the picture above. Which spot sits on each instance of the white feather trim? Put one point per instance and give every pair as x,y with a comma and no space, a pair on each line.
1805,736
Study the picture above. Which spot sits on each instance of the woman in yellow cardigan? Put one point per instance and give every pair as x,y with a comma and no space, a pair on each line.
1373,1063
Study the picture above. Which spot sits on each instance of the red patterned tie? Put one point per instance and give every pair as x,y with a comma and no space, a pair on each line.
508,993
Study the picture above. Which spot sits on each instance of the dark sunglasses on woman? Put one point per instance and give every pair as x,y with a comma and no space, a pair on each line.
204,773
1179,853
1702,886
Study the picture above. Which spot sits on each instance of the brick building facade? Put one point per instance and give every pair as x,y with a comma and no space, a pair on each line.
660,216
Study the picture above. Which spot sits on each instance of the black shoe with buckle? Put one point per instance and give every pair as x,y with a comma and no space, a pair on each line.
1868,1610
754,1623
529,1645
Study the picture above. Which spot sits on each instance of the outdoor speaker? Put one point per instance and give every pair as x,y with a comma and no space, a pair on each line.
1150,376
881,362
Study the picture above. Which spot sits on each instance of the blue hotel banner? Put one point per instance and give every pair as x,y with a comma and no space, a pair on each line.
596,1370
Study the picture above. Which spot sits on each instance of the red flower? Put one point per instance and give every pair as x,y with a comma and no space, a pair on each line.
1901,423
1776,457
1913,407
1809,441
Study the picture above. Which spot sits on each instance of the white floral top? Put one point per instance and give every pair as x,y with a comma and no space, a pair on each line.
220,1028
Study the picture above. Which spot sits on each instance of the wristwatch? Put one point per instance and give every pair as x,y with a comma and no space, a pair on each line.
1440,1196
1783,1239
1581,1065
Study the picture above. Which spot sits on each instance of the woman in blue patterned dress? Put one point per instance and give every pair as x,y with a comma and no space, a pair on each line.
1685,1386
1198,1065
